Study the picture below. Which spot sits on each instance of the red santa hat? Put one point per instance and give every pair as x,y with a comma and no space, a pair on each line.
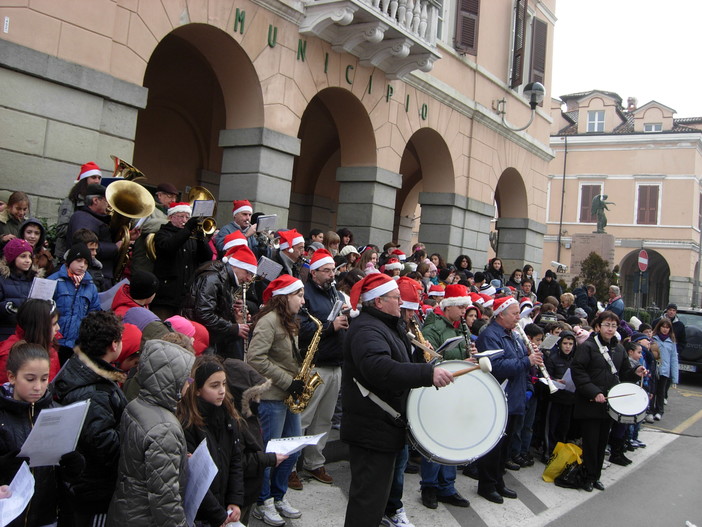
242,205
487,300
175,208
397,253
242,257
234,239
371,287
525,307
456,295
319,258
436,290
87,170
391,264
503,303
283,285
409,292
288,239
477,298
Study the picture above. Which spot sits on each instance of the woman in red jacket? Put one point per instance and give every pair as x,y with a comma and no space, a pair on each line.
37,323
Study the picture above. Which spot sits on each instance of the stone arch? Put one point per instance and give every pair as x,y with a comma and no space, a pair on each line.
511,195
656,279
177,136
335,132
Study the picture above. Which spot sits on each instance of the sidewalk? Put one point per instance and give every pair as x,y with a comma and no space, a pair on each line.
538,504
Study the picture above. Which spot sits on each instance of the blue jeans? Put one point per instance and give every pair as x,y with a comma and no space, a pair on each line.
441,477
398,483
276,422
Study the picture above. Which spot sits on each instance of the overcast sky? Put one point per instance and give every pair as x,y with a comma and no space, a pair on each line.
647,49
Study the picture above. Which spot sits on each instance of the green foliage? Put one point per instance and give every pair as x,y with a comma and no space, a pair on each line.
595,270
642,315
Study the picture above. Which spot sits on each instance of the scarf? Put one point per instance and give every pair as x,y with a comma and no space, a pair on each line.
75,278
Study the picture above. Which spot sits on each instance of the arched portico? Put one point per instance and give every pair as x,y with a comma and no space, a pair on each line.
643,289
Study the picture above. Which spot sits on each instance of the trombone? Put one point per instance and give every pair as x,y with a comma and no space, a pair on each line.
206,225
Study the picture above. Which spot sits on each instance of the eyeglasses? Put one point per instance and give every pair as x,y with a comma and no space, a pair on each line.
609,326
326,271
395,298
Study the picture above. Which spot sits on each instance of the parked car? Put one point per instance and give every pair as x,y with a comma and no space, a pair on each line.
690,358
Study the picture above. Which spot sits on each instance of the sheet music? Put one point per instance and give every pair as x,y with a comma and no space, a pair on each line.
22,488
550,340
290,445
268,269
201,472
203,208
42,288
338,305
449,344
266,222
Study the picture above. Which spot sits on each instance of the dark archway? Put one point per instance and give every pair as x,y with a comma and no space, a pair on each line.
656,280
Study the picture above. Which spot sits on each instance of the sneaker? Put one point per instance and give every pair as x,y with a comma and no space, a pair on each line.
649,418
665,401
399,519
320,474
639,444
285,509
294,481
657,417
268,513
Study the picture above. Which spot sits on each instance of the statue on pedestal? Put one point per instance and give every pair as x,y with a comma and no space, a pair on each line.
599,205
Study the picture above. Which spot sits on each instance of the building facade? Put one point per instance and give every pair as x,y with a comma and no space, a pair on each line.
376,115
650,165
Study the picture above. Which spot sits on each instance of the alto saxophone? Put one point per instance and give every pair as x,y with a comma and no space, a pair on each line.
420,338
311,381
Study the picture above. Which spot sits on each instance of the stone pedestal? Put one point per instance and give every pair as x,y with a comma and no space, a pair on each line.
520,241
256,165
452,224
367,202
584,244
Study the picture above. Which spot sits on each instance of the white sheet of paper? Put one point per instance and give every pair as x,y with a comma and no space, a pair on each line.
449,344
140,222
22,488
203,208
268,269
42,288
550,340
55,433
568,381
106,297
266,222
201,472
290,445
488,353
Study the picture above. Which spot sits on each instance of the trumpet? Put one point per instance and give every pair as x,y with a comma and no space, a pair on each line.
207,225
530,348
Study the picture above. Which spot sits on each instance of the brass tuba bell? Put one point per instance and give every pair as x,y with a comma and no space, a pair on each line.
126,171
207,225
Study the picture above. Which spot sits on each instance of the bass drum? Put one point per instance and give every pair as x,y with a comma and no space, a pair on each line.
627,403
460,422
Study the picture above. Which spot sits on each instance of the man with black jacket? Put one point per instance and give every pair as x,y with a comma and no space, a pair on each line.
376,379
320,297
210,300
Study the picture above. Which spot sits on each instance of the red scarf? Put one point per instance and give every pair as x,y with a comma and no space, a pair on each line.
77,279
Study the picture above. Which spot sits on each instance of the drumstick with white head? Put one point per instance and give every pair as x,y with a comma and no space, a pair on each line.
484,365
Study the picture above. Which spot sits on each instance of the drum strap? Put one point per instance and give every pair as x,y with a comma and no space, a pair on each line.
365,392
605,353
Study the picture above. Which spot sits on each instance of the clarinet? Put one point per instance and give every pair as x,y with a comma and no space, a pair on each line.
466,337
529,346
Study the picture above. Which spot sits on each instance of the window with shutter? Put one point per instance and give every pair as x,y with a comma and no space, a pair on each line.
587,193
647,213
538,51
519,45
467,26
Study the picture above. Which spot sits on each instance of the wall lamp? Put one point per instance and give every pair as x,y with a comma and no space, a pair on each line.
534,91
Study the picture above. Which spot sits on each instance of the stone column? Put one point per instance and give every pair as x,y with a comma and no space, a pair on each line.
257,165
521,241
367,202
452,224
680,290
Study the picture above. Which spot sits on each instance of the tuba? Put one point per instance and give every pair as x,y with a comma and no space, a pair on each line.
207,225
128,200
311,380
126,171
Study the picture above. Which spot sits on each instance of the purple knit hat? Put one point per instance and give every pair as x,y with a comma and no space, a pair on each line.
14,248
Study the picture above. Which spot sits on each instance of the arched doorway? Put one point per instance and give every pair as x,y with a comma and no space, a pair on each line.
335,132
200,82
655,281
426,166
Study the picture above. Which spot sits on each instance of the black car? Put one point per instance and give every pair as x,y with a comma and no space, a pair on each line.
690,358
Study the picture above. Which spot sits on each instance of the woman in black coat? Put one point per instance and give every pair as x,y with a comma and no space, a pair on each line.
594,376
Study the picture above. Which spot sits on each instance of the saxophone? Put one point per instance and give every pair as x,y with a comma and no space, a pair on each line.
416,333
310,380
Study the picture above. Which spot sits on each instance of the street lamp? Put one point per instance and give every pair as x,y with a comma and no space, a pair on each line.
534,91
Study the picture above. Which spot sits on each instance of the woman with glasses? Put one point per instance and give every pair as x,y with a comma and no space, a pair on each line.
599,364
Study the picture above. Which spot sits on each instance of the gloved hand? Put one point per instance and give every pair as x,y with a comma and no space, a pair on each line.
296,388
192,223
72,465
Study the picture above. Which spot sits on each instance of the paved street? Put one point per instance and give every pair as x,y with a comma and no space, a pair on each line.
660,488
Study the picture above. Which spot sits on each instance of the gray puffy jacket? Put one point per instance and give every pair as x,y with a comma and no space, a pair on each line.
153,460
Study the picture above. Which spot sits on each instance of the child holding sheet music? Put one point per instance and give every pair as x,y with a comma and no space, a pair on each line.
16,274
21,401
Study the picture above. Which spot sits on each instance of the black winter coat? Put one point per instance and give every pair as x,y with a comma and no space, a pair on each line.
84,378
592,375
377,354
557,363
16,421
547,289
222,435
177,257
14,287
320,303
587,303
210,301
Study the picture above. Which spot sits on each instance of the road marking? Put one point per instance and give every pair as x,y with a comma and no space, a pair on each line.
686,393
687,423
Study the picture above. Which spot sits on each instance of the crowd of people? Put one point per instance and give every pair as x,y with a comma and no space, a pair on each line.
194,346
